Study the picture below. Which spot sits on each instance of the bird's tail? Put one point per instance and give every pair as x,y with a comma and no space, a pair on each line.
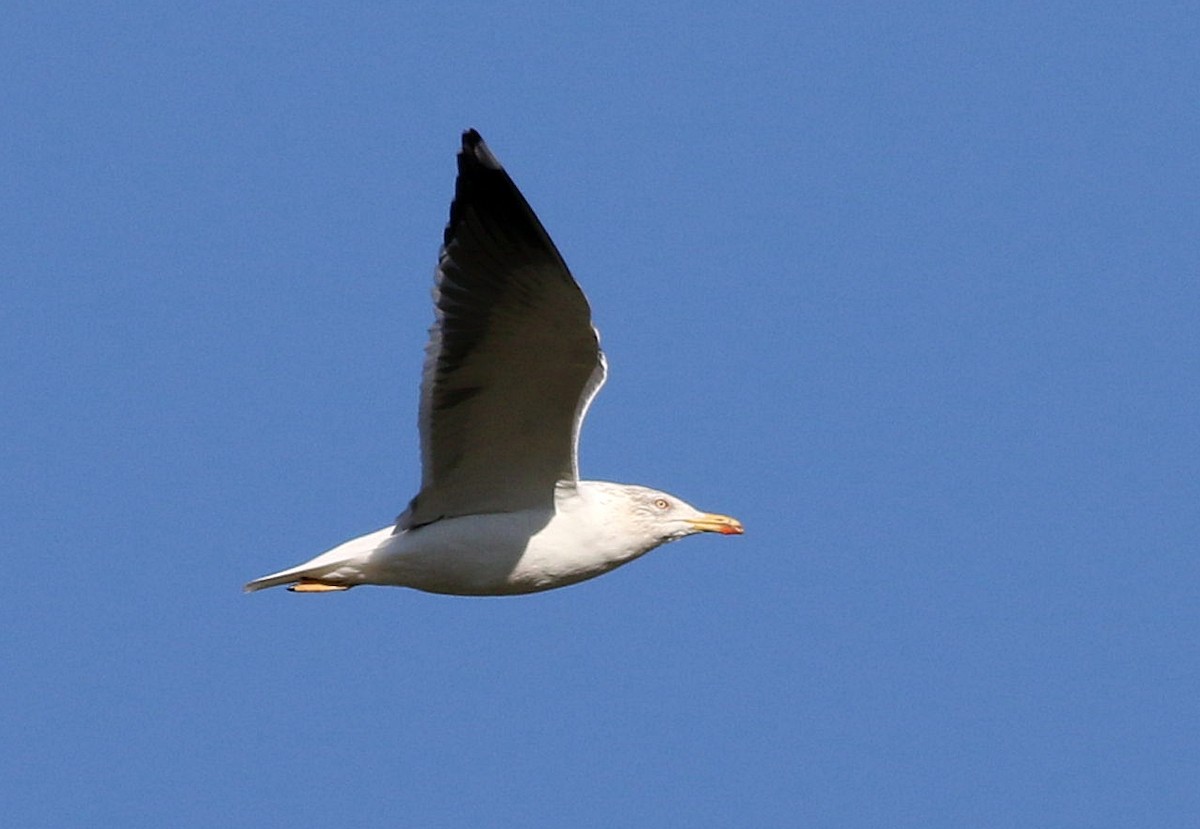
302,579
338,569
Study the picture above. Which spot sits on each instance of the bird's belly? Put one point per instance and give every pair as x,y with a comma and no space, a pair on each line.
489,555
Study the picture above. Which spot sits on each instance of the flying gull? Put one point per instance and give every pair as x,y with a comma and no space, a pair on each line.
513,363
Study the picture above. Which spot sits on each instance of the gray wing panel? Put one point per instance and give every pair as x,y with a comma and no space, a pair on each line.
512,360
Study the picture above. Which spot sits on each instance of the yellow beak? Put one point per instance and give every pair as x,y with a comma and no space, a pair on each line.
713,523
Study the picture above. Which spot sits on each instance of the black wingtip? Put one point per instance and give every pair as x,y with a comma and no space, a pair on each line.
473,146
485,195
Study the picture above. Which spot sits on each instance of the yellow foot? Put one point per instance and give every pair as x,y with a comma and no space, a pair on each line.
305,586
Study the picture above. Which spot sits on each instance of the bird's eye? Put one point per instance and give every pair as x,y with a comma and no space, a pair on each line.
661,503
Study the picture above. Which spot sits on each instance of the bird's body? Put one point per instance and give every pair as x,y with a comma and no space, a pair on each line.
501,553
512,365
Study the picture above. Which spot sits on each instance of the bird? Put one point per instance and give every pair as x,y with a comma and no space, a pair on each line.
512,365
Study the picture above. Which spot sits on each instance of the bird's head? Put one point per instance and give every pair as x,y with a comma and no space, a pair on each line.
670,518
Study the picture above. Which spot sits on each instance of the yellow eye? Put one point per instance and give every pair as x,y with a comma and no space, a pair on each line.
661,503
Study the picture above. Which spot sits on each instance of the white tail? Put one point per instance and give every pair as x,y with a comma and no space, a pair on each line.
343,562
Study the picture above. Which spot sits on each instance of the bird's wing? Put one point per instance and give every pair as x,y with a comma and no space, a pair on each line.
513,360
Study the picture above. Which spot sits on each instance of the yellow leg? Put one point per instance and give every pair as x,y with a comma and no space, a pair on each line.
305,586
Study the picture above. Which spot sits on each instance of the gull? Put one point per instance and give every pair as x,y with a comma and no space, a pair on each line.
512,365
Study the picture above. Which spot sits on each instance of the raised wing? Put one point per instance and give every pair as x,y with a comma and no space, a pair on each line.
513,360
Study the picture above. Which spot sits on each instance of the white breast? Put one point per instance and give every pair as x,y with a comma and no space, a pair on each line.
524,551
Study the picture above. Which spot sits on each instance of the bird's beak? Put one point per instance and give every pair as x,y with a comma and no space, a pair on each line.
713,523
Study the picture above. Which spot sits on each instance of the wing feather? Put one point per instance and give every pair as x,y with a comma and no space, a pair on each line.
513,359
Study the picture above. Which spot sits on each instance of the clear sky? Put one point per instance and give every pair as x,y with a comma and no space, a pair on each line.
912,290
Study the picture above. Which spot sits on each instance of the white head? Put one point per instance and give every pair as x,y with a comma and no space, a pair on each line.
663,517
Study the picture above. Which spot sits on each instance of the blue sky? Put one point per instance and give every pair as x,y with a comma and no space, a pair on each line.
911,290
